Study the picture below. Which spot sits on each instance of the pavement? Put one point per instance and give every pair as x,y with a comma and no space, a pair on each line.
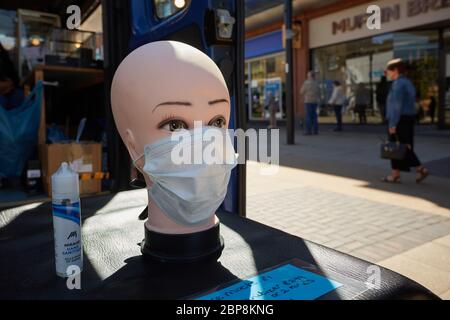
328,190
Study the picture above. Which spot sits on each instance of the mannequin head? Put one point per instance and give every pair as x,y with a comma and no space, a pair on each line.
161,87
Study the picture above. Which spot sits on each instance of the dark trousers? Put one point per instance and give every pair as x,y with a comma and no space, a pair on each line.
432,112
312,125
382,108
405,134
338,113
361,111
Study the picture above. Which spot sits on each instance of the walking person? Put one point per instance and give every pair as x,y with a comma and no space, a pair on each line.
273,109
432,108
382,92
337,100
400,114
311,92
420,113
362,99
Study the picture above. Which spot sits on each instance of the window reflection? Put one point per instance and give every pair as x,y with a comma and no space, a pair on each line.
363,62
264,75
167,8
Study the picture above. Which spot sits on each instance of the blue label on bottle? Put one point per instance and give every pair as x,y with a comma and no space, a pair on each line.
70,211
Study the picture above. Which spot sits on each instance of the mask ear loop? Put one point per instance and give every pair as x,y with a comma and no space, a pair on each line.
139,184
136,165
136,182
141,170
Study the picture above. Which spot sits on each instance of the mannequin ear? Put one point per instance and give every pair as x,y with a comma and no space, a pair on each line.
130,143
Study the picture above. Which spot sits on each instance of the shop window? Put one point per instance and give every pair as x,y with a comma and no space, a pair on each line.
364,61
8,32
94,23
270,65
34,27
265,76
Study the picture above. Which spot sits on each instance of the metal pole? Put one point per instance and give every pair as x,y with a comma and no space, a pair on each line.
116,32
241,118
441,121
289,75
371,101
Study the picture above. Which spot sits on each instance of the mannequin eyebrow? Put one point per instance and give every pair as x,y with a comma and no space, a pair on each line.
217,101
176,103
186,103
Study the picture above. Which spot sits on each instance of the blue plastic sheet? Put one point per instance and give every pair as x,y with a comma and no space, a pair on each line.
19,133
55,134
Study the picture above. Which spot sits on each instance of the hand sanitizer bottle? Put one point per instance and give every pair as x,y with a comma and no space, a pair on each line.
67,221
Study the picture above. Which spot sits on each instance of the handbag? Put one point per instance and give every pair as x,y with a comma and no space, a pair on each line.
393,150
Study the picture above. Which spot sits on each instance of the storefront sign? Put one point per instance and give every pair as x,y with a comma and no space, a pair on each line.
359,21
415,7
350,24
391,13
267,43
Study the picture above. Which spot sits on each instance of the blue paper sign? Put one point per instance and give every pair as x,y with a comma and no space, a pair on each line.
287,282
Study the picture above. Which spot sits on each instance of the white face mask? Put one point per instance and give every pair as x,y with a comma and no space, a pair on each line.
189,193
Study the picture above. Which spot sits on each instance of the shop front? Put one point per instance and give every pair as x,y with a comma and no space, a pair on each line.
264,75
343,48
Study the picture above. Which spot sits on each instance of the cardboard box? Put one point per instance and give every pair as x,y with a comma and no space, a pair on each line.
82,157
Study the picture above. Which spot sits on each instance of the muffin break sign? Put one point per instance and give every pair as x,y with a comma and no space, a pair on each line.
354,22
386,14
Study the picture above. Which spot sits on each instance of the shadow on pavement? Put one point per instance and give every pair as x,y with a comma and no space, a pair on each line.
333,154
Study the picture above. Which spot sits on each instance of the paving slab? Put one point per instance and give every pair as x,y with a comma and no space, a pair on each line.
328,190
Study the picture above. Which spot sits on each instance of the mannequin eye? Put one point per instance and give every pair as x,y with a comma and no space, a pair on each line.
219,122
173,125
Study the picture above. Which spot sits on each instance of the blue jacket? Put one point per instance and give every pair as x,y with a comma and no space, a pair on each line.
401,100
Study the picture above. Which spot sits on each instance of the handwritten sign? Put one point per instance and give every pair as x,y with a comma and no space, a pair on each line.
287,282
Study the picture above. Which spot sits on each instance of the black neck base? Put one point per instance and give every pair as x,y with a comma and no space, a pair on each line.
195,247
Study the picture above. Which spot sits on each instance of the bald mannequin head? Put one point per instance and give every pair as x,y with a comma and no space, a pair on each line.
162,87
163,81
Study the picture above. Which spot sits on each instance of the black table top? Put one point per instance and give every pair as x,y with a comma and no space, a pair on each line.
115,269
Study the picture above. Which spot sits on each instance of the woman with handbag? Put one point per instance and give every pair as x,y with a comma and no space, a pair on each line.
400,113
